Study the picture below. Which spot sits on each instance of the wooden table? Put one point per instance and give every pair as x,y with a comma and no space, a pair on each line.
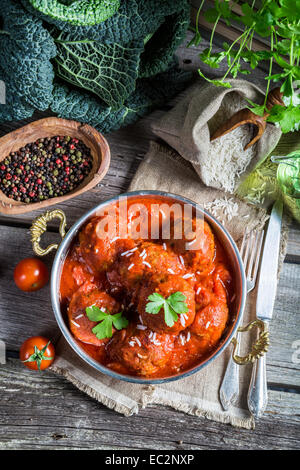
46,411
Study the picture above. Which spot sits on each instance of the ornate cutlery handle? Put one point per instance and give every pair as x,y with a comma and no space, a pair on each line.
258,389
229,390
230,386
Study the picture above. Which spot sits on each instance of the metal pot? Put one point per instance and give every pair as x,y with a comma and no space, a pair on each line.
39,226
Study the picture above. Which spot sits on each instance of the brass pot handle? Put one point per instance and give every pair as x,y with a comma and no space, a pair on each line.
259,348
39,226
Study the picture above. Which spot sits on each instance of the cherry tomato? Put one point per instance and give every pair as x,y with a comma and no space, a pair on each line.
31,274
37,353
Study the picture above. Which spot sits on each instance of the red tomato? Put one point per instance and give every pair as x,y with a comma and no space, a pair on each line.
31,274
37,353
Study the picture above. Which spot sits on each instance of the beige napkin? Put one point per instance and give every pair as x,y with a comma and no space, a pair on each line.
165,170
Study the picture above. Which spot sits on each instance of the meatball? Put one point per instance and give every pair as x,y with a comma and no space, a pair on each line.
141,351
198,250
132,267
161,260
73,276
188,349
86,296
97,248
210,322
169,285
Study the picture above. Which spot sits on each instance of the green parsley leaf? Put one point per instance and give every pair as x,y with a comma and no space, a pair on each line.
173,305
170,315
95,314
119,321
287,117
103,329
256,108
157,301
177,302
107,321
215,82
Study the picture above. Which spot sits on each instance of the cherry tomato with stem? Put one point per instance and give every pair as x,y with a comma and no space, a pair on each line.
31,274
37,353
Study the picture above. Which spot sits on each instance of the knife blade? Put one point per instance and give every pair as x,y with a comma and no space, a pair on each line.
267,283
258,390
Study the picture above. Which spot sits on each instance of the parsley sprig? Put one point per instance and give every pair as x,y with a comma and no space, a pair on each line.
278,20
173,305
107,321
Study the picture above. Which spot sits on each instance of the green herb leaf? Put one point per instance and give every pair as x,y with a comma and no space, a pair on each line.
177,302
215,82
287,117
119,321
157,301
256,108
107,321
103,329
173,305
95,314
280,21
170,315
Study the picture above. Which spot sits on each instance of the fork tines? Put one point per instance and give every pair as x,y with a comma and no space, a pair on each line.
250,254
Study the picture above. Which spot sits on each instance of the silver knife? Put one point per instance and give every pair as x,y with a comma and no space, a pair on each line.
266,293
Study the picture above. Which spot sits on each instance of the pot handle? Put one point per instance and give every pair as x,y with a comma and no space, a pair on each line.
39,226
259,348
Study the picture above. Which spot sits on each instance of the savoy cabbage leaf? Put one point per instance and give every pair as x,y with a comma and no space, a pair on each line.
108,70
25,67
149,93
134,20
161,46
16,107
77,12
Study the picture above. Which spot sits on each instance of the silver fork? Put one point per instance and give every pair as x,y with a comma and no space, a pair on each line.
250,254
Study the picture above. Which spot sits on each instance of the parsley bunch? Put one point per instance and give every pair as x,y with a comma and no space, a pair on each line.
173,305
280,21
104,328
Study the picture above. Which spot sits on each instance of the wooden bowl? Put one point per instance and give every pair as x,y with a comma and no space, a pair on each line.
50,127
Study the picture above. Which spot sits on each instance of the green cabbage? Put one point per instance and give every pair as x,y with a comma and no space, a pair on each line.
107,75
108,70
149,93
77,12
288,177
25,67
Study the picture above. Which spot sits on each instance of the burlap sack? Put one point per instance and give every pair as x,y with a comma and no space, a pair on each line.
188,126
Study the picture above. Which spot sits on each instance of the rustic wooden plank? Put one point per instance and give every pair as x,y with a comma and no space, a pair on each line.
52,414
293,247
26,314
285,329
22,314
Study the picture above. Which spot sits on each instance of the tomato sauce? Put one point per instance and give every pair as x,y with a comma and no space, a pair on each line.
122,256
